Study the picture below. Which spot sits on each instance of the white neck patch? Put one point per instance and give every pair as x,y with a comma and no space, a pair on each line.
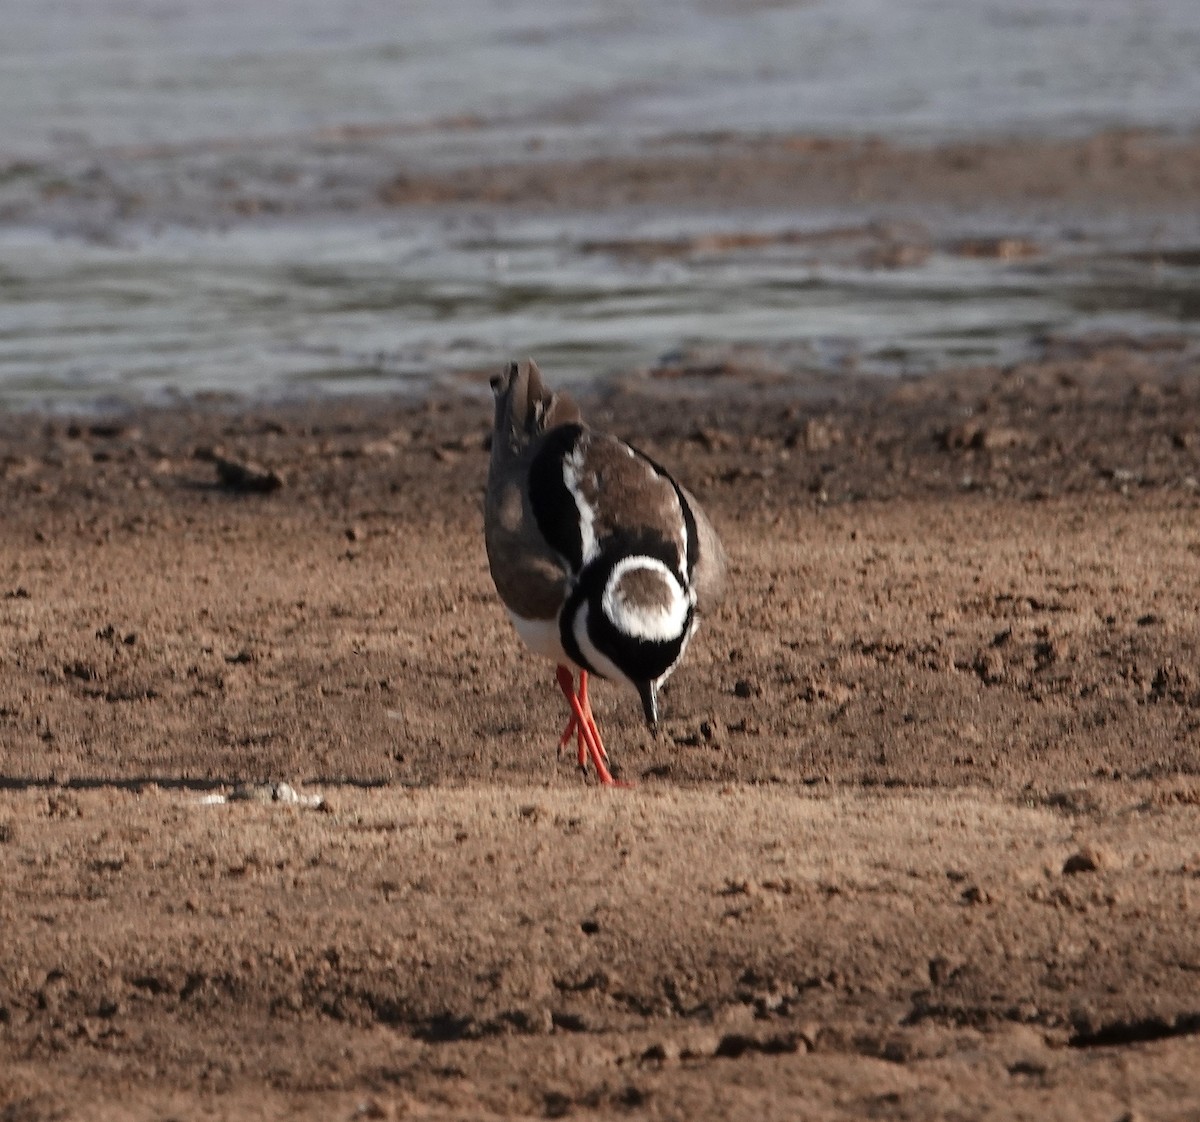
661,620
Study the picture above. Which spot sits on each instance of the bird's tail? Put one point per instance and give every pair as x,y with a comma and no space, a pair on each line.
525,408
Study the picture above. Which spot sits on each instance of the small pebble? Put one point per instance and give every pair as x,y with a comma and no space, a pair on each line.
264,793
1087,860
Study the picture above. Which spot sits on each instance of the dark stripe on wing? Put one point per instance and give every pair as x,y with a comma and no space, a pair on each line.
551,500
689,519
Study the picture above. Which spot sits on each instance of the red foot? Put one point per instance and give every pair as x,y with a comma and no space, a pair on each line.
582,726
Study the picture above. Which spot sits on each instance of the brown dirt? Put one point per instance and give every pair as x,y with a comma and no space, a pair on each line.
920,837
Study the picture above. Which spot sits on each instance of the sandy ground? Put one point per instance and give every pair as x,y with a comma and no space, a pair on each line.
920,837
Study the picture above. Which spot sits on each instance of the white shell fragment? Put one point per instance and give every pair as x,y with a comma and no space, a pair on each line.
263,793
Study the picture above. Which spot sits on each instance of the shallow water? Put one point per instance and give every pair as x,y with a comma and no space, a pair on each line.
289,309
334,303
82,73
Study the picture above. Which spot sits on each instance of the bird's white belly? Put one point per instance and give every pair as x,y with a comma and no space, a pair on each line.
542,637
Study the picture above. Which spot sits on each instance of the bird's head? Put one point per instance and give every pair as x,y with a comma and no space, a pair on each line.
635,624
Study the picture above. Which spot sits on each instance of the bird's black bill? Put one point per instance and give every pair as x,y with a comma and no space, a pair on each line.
649,695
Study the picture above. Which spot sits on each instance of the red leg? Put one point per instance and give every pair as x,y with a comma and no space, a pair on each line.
583,725
591,720
573,727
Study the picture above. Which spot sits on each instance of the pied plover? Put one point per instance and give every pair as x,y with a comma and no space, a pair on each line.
601,558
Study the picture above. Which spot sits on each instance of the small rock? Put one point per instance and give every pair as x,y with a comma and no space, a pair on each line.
976,435
1087,860
247,477
810,1033
733,1045
700,1043
989,665
976,895
664,1052
272,793
734,1017
943,969
710,439
536,1020
568,1022
1028,1067
996,438
84,671
374,1109
13,466
961,436
108,1008
820,436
